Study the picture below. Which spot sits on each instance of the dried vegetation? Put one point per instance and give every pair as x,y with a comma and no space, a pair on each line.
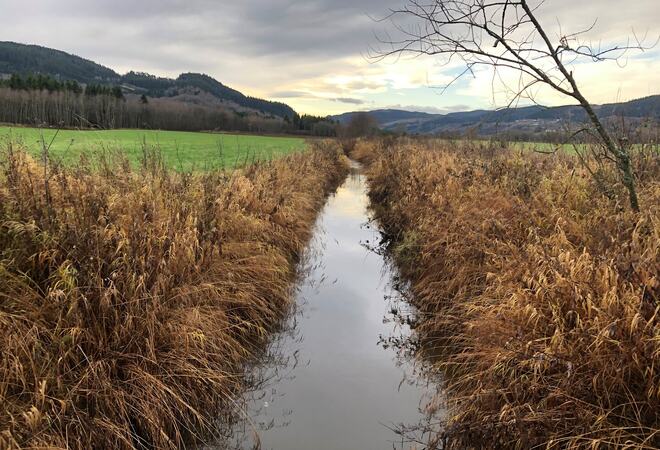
538,296
130,300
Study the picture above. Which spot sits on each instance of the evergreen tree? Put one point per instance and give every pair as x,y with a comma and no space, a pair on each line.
116,92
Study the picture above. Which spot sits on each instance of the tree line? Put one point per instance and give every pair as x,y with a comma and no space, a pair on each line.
313,125
41,82
41,100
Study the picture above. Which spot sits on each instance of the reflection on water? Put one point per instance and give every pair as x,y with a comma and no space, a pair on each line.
337,378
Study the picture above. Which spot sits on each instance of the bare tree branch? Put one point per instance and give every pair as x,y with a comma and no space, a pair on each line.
507,34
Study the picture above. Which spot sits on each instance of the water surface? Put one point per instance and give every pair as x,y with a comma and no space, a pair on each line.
332,384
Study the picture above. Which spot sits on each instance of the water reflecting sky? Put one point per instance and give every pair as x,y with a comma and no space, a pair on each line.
336,386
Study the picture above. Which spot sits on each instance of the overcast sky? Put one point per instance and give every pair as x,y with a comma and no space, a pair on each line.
312,54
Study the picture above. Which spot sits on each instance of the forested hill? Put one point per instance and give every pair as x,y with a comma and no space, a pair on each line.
21,59
144,83
18,58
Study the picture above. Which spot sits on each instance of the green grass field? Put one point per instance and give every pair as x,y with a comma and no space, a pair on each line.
549,148
180,150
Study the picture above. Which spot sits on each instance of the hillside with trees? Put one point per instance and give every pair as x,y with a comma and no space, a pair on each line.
21,59
42,100
42,86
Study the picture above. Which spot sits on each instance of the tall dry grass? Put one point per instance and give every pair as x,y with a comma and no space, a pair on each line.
538,296
131,299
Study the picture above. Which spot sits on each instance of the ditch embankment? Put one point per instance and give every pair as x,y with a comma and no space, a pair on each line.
537,295
131,299
335,378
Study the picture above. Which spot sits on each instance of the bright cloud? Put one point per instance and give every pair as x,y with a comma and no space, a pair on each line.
311,54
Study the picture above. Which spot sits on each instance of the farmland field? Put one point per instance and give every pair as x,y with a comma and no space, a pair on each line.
180,150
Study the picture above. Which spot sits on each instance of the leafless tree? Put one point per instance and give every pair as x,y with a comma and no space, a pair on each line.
508,35
72,110
361,124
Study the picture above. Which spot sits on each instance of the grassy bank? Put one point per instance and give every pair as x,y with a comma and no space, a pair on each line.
130,299
182,151
538,296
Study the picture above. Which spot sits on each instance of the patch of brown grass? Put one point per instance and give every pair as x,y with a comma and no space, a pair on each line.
130,300
538,296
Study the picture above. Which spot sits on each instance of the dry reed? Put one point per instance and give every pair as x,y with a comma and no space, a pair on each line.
130,300
538,296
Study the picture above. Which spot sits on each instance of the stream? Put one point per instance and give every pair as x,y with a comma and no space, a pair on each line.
331,381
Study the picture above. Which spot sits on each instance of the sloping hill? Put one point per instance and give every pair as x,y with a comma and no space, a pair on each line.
21,58
530,119
24,59
152,86
385,116
208,84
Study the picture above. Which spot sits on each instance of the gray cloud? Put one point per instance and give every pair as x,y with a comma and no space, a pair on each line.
431,109
348,100
265,46
290,94
302,94
164,32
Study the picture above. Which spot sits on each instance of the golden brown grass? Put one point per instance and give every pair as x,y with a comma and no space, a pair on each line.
538,296
130,300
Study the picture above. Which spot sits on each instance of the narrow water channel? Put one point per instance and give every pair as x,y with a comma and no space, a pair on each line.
332,384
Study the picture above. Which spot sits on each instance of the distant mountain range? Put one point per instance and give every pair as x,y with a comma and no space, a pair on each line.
18,58
531,119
